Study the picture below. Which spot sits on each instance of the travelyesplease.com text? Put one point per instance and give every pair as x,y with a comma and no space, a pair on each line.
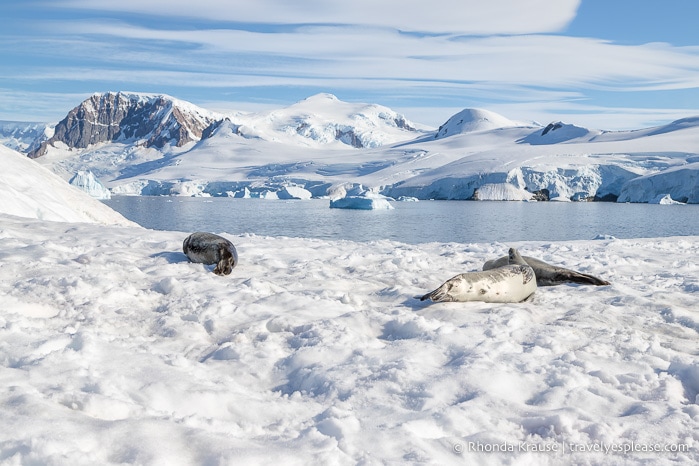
623,448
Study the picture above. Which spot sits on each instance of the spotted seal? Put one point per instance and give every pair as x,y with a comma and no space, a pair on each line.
513,282
208,248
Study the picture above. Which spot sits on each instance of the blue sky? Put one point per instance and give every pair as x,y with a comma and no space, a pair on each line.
609,64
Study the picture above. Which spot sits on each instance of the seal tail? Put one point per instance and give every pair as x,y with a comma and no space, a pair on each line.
586,279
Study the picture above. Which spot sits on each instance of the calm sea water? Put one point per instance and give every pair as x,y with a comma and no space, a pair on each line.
412,222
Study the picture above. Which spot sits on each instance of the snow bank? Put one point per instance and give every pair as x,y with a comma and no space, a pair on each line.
472,120
115,349
29,190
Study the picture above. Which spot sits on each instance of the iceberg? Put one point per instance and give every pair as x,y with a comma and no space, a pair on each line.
86,181
501,192
294,192
361,203
665,200
266,194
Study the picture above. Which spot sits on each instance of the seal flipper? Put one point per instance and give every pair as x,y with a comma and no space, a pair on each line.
570,276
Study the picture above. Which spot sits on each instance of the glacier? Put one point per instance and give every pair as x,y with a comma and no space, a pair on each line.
680,183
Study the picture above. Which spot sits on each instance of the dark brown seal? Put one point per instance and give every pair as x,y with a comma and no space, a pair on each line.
208,248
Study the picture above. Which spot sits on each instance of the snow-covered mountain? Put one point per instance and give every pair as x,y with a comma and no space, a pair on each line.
156,145
325,121
23,136
471,120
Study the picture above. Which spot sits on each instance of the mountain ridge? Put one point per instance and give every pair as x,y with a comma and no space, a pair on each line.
324,145
150,120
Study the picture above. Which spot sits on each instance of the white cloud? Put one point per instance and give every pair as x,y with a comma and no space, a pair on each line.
344,53
441,16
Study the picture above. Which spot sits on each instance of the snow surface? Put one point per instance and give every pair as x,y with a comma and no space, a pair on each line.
114,349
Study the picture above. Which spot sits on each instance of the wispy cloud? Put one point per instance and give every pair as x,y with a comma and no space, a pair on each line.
442,16
381,54
501,54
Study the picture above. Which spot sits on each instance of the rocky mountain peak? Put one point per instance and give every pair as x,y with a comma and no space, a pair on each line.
148,120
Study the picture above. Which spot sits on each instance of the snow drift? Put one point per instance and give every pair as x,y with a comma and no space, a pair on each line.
30,190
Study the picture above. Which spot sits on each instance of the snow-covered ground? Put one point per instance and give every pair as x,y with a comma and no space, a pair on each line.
116,350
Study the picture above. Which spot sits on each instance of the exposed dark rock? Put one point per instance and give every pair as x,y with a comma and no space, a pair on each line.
349,137
151,120
606,198
402,123
213,127
552,127
541,195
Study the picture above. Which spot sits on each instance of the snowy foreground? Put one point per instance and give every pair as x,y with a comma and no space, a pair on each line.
114,349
